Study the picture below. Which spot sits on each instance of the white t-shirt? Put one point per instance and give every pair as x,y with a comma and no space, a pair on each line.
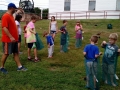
19,27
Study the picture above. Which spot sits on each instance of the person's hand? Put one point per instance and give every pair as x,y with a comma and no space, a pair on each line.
12,39
48,46
100,53
104,42
119,50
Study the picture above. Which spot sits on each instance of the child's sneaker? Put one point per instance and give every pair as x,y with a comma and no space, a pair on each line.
22,69
3,70
114,85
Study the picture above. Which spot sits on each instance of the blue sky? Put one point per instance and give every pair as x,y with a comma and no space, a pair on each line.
38,3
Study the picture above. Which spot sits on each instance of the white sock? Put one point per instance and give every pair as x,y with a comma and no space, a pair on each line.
29,57
36,58
19,66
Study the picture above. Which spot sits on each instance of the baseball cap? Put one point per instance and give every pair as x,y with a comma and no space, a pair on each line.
12,5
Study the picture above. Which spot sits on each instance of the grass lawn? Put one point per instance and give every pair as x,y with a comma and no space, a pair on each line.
65,71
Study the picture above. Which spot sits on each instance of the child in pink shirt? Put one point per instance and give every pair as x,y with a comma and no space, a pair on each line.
78,30
31,39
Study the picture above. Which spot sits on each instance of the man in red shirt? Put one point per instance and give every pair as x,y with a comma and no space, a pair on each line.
10,38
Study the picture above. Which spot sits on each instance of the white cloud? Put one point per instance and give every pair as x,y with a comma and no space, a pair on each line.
37,3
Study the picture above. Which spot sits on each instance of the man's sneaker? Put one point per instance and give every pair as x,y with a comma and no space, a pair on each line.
22,69
3,70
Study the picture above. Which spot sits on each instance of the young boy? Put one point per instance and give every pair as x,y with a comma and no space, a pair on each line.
91,53
64,37
109,59
50,43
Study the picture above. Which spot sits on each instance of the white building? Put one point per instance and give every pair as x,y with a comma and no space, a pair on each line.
84,9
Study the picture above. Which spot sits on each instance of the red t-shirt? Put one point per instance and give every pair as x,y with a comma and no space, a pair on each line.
9,22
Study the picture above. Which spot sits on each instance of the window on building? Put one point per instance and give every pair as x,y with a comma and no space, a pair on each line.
67,4
118,5
92,4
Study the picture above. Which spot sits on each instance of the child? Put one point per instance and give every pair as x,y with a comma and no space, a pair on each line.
91,53
53,27
64,37
25,32
109,59
31,39
78,30
17,21
50,43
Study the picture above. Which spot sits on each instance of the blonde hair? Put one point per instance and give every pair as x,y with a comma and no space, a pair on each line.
113,36
45,33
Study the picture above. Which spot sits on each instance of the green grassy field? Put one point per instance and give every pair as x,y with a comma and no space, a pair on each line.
65,71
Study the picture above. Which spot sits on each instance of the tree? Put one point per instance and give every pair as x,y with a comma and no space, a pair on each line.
45,14
1,13
37,11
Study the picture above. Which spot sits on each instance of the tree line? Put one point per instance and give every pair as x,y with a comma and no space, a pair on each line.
37,11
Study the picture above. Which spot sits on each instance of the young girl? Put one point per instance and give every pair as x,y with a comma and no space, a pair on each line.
31,39
17,21
53,27
78,30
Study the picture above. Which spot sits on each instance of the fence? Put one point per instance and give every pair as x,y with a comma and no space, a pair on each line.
86,15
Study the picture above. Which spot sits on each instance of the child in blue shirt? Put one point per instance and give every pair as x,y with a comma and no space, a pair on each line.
110,59
50,43
91,53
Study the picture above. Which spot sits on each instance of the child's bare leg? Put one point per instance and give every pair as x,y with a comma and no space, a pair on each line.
53,35
29,52
19,44
3,59
35,53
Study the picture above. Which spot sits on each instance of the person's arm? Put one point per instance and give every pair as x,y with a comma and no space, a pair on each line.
23,16
96,56
49,26
8,34
85,51
32,31
56,27
97,53
76,29
81,27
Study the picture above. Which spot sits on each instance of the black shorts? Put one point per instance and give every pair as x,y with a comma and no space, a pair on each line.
52,32
30,45
9,48
19,40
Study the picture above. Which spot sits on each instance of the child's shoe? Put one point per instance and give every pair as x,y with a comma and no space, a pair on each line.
22,69
3,70
114,85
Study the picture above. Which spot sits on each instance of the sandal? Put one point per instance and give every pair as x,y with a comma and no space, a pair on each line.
36,60
30,59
